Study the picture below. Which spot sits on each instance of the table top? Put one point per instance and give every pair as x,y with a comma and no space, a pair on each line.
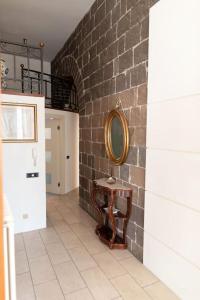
114,186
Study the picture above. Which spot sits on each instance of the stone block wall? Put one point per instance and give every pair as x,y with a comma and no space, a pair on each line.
107,55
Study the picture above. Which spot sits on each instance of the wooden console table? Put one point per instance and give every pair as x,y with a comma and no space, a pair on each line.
106,216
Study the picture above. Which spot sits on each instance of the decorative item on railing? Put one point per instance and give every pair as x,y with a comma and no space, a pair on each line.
3,73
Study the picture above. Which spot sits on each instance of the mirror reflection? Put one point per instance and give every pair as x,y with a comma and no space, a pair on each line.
116,136
117,139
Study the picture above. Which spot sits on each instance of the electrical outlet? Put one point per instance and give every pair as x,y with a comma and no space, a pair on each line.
25,216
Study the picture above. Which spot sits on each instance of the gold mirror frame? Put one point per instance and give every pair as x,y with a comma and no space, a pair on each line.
107,136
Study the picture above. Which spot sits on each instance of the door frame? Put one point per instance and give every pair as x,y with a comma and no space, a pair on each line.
62,149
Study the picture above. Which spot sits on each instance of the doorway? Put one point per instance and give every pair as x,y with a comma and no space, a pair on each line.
62,151
53,155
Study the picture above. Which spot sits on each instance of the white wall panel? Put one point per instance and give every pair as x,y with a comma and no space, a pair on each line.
174,49
174,124
181,276
174,175
174,225
172,196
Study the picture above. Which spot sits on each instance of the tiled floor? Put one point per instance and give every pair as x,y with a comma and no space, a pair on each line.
67,261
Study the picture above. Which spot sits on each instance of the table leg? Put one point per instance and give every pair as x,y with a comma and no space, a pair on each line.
112,218
96,206
128,214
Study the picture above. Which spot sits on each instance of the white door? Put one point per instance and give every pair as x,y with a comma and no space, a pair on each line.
53,156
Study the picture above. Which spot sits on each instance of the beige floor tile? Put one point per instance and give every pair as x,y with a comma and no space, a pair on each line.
94,245
35,248
41,270
61,206
69,277
21,262
89,222
99,285
31,235
54,216
19,242
89,237
119,254
62,227
70,240
70,218
138,271
57,253
82,231
109,265
51,207
82,259
58,222
49,291
158,291
129,289
80,213
24,287
83,294
49,235
76,233
70,203
63,210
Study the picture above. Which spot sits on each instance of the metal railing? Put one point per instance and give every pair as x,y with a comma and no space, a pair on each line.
26,51
60,93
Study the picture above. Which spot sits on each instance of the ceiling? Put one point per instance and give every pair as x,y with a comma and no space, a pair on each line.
50,21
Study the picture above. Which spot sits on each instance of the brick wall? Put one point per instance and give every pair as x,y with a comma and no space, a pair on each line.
107,55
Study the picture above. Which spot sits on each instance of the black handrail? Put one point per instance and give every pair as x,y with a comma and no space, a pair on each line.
50,75
59,92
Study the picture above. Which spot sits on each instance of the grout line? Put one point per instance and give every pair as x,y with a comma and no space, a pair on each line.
22,273
52,267
81,289
41,283
86,286
120,262
80,272
145,269
116,261
150,284
173,150
174,201
184,97
29,267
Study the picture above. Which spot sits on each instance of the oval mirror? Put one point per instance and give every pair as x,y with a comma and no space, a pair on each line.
116,137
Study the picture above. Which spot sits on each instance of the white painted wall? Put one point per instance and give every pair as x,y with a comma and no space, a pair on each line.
172,203
26,195
70,146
